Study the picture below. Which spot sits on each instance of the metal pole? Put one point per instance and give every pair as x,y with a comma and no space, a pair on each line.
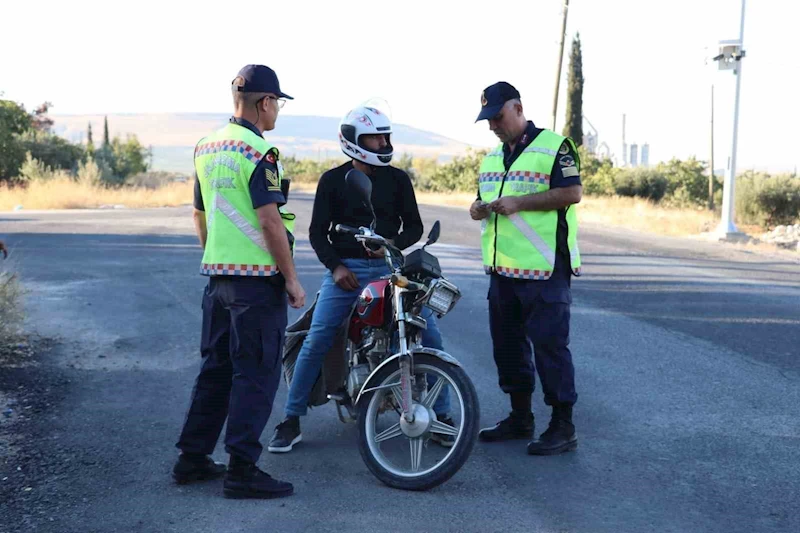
560,60
711,174
727,225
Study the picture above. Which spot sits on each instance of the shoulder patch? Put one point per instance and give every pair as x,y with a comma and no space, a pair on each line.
564,149
566,161
273,180
569,172
270,158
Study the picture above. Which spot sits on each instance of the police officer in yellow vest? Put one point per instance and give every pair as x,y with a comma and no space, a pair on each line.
243,228
528,188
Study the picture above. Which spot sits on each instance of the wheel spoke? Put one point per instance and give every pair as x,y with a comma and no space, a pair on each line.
416,453
398,396
443,429
433,393
390,433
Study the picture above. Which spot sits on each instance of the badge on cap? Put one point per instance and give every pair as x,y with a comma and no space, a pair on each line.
484,101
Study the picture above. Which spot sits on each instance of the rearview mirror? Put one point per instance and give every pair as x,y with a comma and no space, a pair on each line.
433,236
360,182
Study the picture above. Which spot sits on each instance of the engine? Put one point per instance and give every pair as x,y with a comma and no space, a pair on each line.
356,379
372,350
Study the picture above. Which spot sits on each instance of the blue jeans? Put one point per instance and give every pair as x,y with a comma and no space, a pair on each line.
333,305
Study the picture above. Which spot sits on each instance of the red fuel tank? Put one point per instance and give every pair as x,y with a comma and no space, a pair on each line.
373,307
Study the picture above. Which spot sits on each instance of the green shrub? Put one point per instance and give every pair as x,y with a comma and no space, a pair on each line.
307,170
598,179
52,150
687,182
767,200
641,183
460,174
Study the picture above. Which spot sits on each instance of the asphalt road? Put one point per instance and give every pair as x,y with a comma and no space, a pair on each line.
687,367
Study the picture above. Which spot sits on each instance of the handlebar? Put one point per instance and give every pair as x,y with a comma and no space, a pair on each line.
341,228
369,238
362,234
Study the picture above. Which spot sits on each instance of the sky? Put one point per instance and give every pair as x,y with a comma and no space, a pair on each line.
430,60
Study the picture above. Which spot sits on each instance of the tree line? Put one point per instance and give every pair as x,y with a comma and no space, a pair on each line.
29,150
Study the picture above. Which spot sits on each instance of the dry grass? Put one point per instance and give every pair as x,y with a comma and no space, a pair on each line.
10,304
642,215
631,213
455,199
69,194
11,311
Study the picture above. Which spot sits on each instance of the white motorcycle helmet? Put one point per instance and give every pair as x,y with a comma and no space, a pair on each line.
365,120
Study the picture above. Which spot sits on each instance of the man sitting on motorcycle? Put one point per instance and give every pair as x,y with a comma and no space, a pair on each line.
364,135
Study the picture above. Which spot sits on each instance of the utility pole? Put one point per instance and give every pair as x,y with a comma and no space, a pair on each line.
560,60
711,175
727,228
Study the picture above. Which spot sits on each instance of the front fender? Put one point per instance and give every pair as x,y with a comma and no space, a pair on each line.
444,356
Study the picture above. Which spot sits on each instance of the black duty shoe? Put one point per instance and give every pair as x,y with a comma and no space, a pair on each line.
248,481
516,426
196,468
444,440
558,438
286,435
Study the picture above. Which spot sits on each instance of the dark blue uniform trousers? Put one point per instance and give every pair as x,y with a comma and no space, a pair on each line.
244,323
522,312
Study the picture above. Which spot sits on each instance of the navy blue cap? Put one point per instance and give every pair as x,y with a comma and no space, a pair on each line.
494,97
260,79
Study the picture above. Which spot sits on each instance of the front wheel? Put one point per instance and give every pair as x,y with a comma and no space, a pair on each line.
429,451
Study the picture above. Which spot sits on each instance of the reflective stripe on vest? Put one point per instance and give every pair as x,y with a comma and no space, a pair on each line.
538,149
227,209
523,245
535,239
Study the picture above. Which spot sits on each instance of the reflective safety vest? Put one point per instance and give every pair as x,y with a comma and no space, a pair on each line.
523,245
224,162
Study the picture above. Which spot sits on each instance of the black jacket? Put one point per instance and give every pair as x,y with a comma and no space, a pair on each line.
395,208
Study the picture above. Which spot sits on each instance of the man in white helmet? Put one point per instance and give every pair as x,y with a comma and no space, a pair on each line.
365,136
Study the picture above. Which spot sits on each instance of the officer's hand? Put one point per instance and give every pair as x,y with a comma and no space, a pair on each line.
297,296
3,249
478,210
505,206
345,279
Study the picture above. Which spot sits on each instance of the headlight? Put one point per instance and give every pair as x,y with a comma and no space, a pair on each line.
443,296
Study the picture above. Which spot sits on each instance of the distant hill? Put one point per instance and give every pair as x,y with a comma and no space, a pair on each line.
173,136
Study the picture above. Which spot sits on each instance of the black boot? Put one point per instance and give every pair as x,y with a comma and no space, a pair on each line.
516,426
246,480
560,435
196,467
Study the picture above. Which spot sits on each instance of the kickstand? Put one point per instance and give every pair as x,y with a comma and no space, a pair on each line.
344,401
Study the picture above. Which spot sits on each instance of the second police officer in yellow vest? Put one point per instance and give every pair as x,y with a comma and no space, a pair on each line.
247,240
527,190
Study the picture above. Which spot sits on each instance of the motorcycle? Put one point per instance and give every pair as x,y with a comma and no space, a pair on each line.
383,379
